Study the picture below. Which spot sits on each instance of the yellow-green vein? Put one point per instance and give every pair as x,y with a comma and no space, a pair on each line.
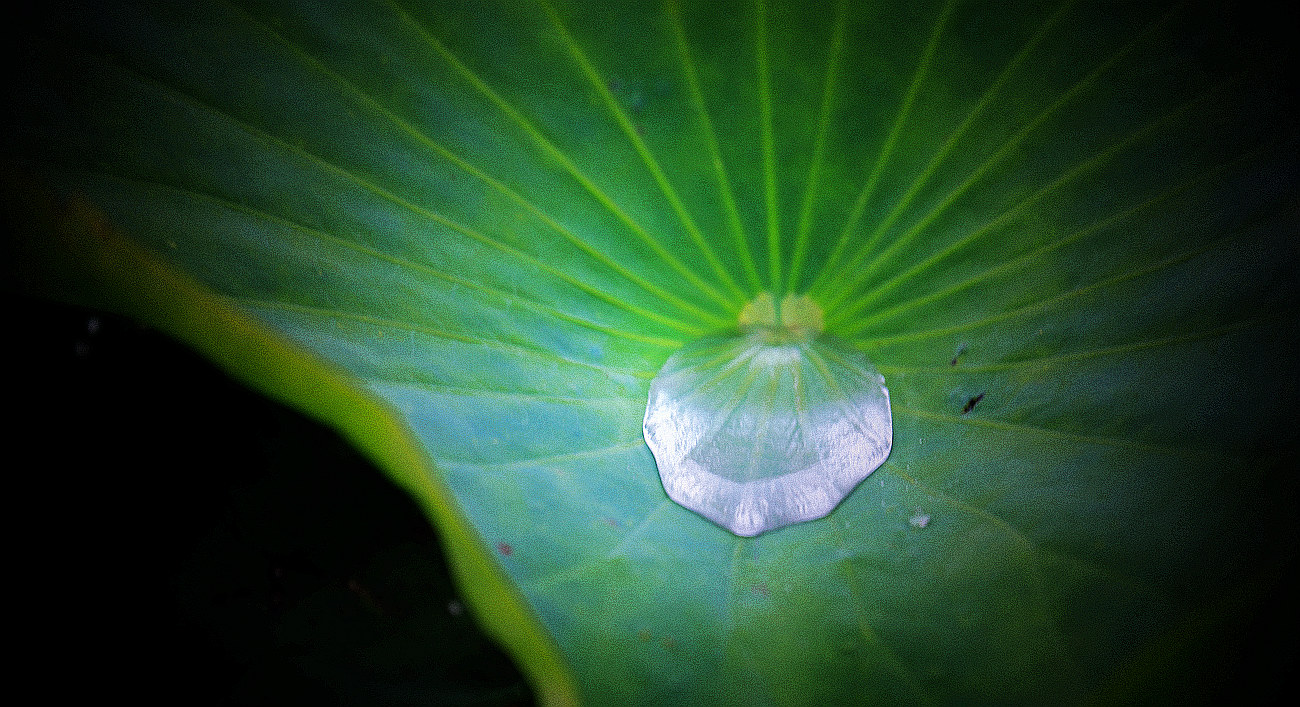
1044,304
426,330
769,152
494,183
743,250
545,460
421,268
346,175
1184,452
483,391
651,164
1054,362
941,156
804,229
861,274
1099,226
1068,176
555,153
831,264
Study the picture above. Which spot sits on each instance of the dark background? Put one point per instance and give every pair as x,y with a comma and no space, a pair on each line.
177,538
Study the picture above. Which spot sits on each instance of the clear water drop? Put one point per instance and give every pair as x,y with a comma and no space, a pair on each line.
773,426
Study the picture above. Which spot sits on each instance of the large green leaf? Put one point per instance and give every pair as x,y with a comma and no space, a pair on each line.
468,235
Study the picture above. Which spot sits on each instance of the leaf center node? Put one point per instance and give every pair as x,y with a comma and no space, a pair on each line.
794,318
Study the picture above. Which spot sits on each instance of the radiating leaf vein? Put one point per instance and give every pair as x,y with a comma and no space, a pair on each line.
498,343
1006,266
339,171
1033,548
563,160
768,145
1097,440
1073,173
831,264
604,259
651,164
389,382
578,571
1056,363
861,274
941,156
562,459
803,231
1047,303
741,241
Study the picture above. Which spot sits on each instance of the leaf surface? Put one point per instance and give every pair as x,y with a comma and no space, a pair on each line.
1063,233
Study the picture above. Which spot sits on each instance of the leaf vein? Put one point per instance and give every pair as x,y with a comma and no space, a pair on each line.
552,150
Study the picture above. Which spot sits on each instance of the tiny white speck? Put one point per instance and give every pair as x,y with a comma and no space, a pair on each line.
920,520
455,608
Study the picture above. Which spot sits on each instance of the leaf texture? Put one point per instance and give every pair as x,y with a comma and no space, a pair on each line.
501,218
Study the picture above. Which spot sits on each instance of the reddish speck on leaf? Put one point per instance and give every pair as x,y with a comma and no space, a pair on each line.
505,549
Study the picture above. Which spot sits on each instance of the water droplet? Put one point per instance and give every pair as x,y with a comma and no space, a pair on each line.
771,427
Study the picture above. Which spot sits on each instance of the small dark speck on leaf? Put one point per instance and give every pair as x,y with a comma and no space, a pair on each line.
960,350
970,404
505,549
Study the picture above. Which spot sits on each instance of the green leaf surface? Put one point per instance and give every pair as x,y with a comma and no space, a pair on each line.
469,234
